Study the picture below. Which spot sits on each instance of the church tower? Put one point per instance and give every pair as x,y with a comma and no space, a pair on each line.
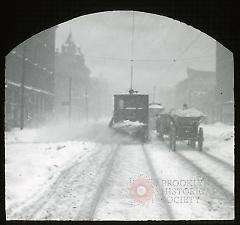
70,65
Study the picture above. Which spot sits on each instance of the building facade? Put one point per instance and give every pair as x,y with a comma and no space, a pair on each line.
197,91
29,81
166,97
224,84
71,83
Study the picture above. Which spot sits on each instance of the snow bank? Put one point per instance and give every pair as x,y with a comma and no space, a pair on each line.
31,168
219,132
128,126
59,132
35,157
17,135
191,112
219,140
156,106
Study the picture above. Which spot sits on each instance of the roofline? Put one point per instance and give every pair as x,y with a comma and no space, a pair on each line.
131,94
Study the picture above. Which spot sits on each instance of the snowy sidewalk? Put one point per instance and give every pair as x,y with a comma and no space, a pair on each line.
32,168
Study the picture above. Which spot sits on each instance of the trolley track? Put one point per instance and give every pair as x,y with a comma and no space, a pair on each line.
90,207
45,206
208,202
203,153
163,206
220,161
160,189
211,179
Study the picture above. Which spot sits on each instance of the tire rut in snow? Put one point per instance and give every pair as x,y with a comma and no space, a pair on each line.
90,205
29,212
160,189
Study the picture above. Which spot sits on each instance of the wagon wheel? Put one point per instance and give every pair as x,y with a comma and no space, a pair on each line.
144,136
200,139
161,135
174,143
172,139
193,143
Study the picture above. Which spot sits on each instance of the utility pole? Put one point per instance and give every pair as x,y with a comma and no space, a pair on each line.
70,100
22,88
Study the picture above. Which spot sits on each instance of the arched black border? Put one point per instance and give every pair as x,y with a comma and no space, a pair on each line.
22,19
26,18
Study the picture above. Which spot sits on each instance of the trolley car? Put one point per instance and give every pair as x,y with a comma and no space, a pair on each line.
131,114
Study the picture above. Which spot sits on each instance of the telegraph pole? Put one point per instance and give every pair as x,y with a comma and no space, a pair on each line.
70,100
22,87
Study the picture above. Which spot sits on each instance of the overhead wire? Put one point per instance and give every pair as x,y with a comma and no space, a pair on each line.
132,43
15,53
104,58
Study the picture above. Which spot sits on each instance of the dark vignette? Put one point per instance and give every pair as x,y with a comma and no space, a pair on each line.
23,19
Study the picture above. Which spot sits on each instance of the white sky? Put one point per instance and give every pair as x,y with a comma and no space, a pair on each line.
109,35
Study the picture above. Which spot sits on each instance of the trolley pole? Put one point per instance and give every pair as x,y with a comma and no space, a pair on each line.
131,74
70,100
132,51
86,101
22,88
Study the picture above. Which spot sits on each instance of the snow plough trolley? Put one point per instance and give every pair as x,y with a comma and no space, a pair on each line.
130,115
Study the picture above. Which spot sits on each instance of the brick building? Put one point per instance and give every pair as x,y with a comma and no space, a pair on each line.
197,91
31,64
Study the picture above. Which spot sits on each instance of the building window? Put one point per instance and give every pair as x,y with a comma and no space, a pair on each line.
121,104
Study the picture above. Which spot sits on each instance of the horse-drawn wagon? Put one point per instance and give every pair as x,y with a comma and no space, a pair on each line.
182,125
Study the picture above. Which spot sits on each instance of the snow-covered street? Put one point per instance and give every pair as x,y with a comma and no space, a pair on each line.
119,115
89,172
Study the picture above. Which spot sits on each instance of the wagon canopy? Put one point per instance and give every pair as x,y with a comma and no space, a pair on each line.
191,112
187,116
155,106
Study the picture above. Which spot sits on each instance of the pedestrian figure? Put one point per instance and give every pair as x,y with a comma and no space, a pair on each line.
185,106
